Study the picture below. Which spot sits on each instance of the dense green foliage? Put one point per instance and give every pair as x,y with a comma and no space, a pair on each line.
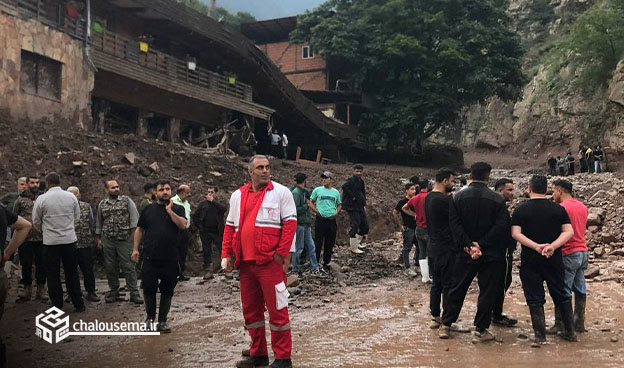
591,50
229,18
423,60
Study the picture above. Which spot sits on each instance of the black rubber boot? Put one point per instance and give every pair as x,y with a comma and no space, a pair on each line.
538,321
558,326
281,363
252,362
165,305
579,312
150,305
567,317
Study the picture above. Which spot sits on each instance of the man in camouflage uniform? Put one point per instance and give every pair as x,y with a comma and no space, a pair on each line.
31,251
116,221
84,245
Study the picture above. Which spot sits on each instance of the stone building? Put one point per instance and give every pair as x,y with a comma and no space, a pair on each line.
155,68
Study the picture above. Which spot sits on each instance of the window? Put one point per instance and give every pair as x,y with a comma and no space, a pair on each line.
308,52
40,76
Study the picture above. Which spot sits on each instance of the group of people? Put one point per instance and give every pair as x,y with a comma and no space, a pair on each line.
457,236
471,233
590,161
279,144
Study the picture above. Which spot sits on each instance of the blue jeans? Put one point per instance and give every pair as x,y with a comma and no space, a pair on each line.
304,240
575,265
597,167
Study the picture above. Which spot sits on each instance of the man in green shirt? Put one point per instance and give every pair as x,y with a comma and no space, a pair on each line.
148,197
325,202
304,223
182,199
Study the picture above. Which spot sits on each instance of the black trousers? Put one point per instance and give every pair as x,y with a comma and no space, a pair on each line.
31,253
53,256
184,241
497,311
442,266
325,238
358,223
84,256
490,274
534,270
207,239
160,275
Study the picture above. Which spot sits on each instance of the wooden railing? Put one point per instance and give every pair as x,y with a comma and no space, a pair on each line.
127,49
53,13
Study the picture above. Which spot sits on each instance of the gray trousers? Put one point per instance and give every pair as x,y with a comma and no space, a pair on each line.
117,254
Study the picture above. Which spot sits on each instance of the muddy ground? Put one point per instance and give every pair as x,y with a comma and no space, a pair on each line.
376,317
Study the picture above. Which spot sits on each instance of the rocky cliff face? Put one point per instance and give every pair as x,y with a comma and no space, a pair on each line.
540,121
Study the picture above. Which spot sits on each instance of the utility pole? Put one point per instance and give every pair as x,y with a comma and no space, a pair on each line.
213,8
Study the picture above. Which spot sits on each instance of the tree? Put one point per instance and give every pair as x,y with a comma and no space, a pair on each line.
423,60
593,47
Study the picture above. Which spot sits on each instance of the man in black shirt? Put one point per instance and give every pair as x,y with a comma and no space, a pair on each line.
21,228
505,187
552,165
354,202
209,220
598,158
407,224
543,227
479,221
441,248
162,222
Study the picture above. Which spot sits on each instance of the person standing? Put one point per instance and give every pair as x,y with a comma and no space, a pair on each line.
275,143
552,165
259,231
598,158
416,207
9,199
84,245
55,213
182,199
209,219
148,197
505,187
159,225
303,237
407,225
326,204
441,244
570,162
589,155
21,228
561,165
31,252
582,159
479,221
575,259
543,227
116,221
285,145
354,202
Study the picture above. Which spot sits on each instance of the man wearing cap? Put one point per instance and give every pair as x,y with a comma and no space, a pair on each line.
354,200
325,202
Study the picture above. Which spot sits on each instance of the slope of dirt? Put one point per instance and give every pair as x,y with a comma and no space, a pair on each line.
87,159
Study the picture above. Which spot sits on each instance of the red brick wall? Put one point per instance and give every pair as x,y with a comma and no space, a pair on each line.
309,74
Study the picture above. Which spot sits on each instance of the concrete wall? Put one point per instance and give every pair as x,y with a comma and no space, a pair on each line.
307,74
77,77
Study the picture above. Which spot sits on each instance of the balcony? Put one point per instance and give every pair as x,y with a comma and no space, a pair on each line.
140,62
